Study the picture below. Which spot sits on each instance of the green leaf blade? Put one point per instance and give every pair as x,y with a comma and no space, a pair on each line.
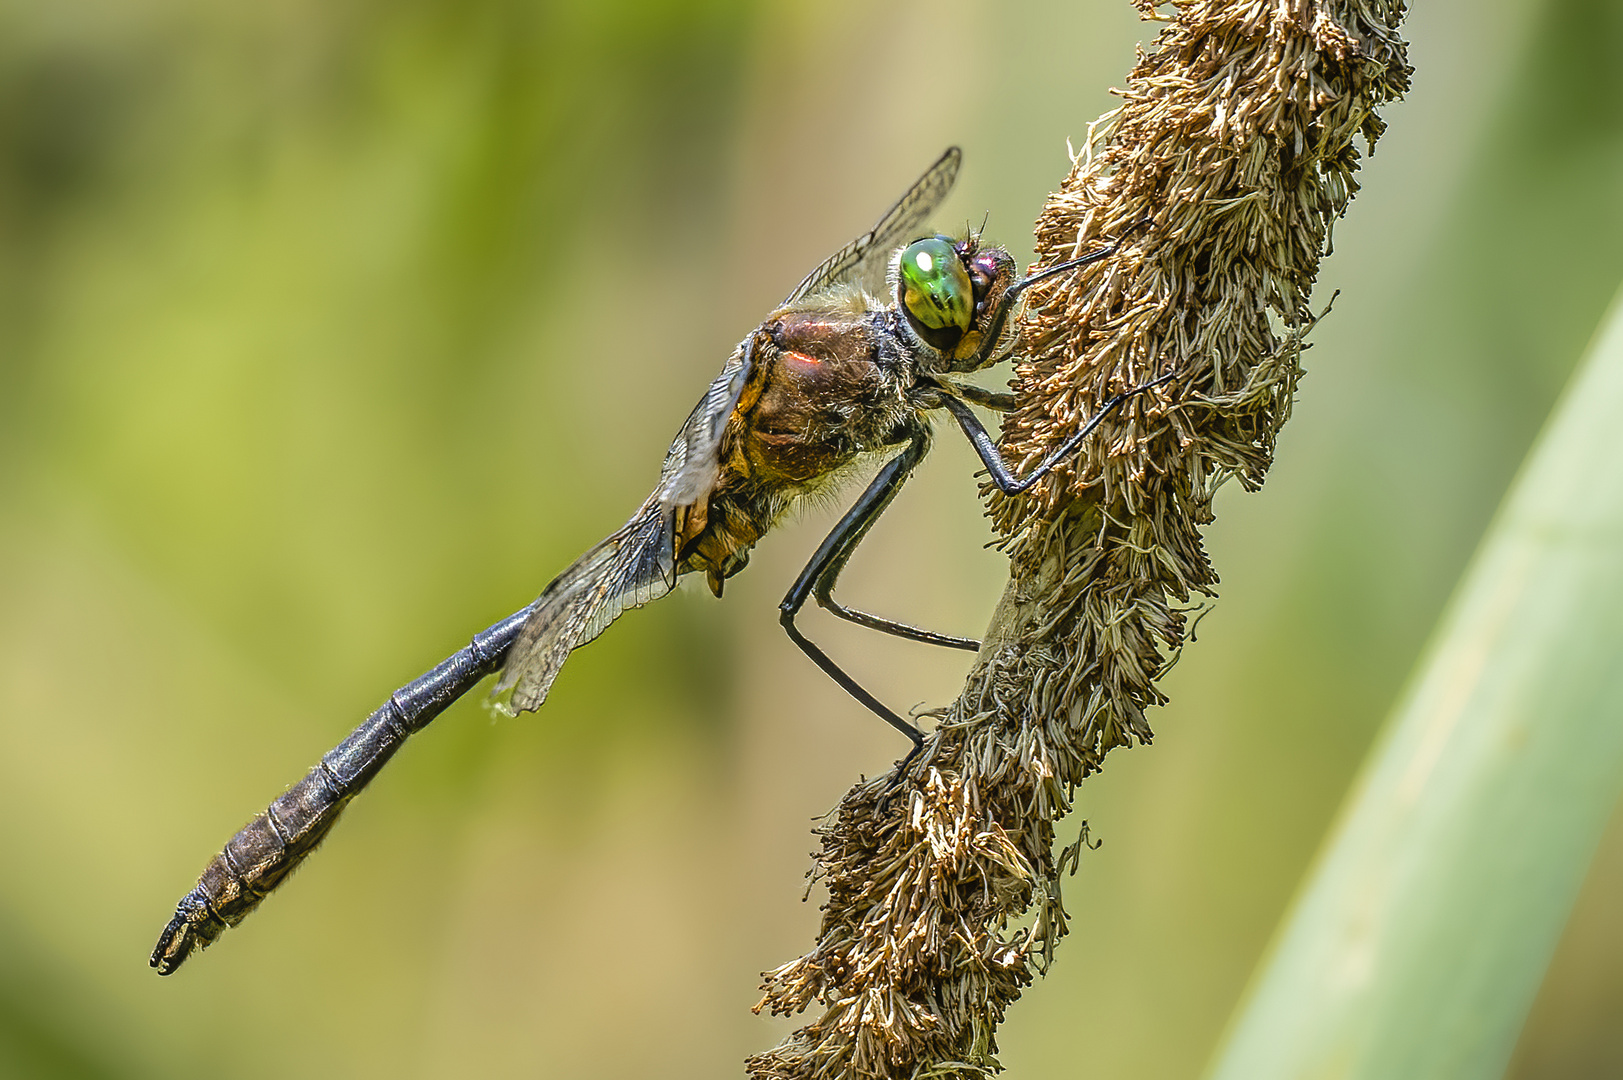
1422,935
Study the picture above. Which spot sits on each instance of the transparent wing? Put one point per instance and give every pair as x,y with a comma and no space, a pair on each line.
692,463
867,255
634,566
629,569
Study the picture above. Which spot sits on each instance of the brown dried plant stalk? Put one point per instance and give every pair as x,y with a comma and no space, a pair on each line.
1233,153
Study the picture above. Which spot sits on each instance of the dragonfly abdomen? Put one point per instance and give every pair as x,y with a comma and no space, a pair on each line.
268,848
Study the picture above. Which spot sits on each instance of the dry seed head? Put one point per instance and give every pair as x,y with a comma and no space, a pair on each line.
1235,149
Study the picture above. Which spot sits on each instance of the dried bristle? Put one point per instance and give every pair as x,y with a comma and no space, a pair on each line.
1235,149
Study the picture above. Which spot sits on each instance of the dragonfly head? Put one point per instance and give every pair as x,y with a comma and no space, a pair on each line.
952,293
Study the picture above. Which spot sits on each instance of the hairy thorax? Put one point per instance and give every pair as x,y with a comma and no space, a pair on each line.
820,395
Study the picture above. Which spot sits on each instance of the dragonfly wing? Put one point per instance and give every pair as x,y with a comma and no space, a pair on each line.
637,564
631,568
693,462
868,256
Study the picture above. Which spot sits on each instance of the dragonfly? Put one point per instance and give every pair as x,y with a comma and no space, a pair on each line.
853,364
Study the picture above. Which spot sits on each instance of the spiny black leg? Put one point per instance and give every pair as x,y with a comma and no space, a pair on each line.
996,400
1060,268
1005,480
839,554
885,626
823,591
994,333
848,684
832,554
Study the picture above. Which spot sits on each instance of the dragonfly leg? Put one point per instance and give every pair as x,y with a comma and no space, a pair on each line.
1000,472
996,400
817,579
826,601
994,334
829,572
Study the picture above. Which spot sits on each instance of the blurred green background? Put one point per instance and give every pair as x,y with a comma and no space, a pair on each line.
329,332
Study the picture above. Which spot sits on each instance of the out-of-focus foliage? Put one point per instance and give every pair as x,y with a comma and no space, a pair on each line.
1419,941
329,332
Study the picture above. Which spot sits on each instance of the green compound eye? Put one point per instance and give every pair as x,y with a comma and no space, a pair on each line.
935,291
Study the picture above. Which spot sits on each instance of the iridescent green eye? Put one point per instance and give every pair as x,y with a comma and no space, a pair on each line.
935,291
